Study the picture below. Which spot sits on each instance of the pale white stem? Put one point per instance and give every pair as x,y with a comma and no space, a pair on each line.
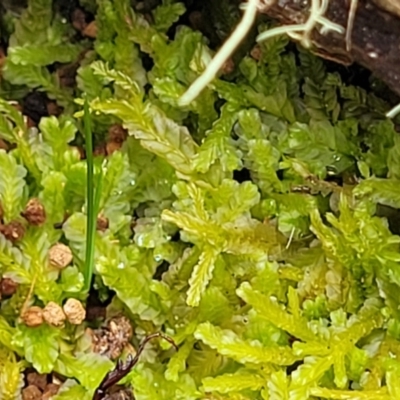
290,238
223,54
279,31
393,112
317,11
350,23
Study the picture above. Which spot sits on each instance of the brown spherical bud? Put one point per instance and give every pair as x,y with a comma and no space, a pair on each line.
8,287
60,256
112,147
91,30
33,316
74,311
116,133
34,212
13,231
102,223
31,393
53,314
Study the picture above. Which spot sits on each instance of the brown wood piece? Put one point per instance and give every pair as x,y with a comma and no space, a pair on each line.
375,38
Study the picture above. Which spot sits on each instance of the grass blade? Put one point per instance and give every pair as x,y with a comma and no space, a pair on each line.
91,214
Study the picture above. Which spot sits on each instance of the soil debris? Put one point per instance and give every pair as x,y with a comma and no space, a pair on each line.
120,394
54,109
34,106
79,19
112,339
67,74
94,313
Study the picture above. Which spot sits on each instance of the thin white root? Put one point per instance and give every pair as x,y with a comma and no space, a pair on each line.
290,238
223,54
393,112
350,23
302,32
299,32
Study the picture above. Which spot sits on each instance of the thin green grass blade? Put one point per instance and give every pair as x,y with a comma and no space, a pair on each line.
91,214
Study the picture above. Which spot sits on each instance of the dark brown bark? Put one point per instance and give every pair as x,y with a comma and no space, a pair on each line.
375,35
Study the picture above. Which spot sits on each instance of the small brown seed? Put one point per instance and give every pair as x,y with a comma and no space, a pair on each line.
31,393
50,391
60,256
53,314
37,380
33,316
74,311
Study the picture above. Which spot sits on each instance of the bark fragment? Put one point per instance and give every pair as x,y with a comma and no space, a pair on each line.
375,36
